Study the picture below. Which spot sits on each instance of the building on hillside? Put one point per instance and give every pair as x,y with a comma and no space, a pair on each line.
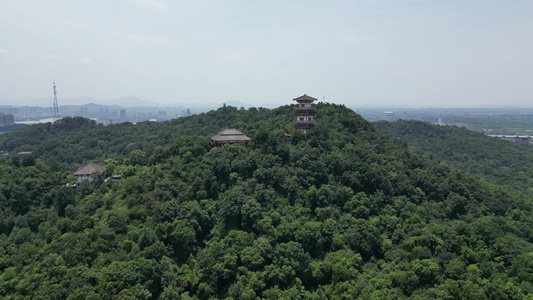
24,153
88,172
304,113
230,136
114,178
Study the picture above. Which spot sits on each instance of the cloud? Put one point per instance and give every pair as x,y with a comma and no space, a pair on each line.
403,74
28,11
42,15
9,57
236,58
447,77
86,61
52,57
5,56
152,4
141,40
152,74
345,39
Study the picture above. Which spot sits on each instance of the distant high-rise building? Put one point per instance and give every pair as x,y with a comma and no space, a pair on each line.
7,119
122,114
388,116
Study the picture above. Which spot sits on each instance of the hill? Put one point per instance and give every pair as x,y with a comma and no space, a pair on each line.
341,212
496,160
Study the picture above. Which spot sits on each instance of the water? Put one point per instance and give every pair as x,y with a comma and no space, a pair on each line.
40,121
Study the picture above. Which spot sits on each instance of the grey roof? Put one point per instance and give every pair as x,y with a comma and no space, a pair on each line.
89,169
230,135
304,97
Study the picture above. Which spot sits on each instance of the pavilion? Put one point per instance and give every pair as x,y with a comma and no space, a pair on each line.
230,136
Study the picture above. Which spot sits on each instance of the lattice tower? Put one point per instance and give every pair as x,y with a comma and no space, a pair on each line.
56,106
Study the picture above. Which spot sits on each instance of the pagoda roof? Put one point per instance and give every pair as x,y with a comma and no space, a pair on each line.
89,169
230,135
305,97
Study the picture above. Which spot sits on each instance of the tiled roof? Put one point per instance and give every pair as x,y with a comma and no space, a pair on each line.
230,135
305,97
89,169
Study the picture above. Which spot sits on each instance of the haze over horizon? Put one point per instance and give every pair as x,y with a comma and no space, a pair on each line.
360,53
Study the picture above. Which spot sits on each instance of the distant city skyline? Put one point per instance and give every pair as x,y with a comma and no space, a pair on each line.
366,53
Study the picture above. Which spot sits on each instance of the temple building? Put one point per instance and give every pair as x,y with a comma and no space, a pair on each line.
305,113
88,172
229,136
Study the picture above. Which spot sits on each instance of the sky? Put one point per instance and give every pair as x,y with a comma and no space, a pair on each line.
424,53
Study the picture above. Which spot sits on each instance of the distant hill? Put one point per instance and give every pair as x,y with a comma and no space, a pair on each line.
341,212
48,101
240,104
497,160
129,102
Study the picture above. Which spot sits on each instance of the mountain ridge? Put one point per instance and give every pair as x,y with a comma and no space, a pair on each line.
340,212
497,160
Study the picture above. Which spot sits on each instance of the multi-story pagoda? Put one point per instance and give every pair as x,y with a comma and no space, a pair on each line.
305,113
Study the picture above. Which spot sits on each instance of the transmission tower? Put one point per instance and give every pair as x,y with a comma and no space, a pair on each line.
56,106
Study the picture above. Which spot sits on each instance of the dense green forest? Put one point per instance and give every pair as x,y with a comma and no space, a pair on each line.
342,212
497,160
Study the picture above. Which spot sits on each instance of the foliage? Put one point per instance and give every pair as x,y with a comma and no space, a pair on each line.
341,212
499,161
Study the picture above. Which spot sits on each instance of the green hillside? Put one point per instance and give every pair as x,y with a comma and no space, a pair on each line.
497,160
341,212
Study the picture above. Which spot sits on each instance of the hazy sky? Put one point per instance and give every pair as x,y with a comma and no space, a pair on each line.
358,53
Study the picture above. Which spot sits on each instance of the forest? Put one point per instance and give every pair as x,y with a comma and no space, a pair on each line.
499,161
342,212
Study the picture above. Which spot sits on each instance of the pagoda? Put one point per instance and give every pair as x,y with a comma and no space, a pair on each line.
304,113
